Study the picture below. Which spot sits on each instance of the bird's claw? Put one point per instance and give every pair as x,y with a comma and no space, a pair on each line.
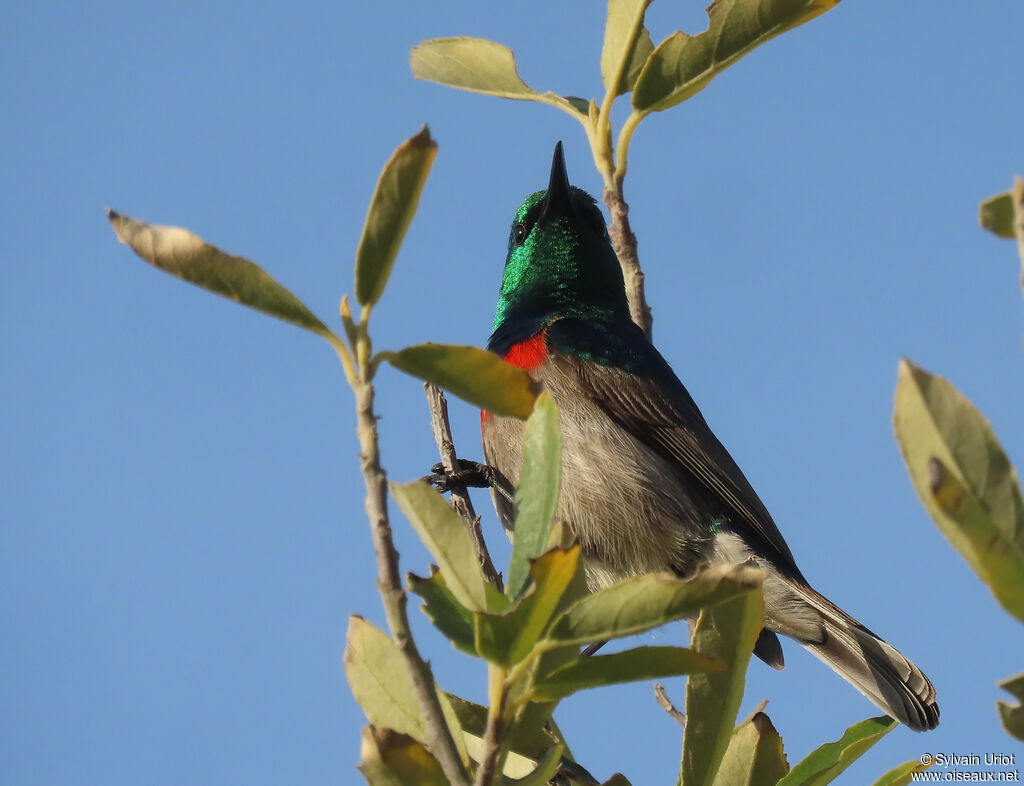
468,474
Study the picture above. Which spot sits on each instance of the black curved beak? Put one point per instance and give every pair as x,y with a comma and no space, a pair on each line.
559,201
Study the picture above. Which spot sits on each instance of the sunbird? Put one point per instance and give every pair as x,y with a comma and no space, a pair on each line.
646,485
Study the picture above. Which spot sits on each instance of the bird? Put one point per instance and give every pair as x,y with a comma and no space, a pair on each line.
646,485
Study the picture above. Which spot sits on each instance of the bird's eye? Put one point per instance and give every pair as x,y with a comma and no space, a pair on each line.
519,233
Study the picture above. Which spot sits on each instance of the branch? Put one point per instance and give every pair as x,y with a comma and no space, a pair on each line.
438,737
495,727
624,241
461,501
666,704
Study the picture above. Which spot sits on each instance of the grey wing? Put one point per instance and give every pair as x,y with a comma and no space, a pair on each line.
661,414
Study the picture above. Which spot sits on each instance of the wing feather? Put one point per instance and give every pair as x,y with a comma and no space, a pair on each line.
648,400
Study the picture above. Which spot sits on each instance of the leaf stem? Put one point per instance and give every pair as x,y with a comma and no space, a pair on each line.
343,355
364,347
625,137
438,736
604,125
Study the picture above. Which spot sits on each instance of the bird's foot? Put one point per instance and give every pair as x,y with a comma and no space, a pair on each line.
469,474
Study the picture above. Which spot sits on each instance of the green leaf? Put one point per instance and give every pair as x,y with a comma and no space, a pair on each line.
902,775
754,756
474,375
529,737
638,604
625,37
545,769
540,482
1012,715
508,638
527,741
447,539
449,616
380,682
581,105
180,253
641,663
964,480
997,215
827,762
391,210
618,779
725,632
474,64
682,65
392,759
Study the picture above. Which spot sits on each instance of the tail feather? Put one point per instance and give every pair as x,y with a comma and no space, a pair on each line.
875,668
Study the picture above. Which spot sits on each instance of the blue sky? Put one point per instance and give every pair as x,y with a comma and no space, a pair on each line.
182,523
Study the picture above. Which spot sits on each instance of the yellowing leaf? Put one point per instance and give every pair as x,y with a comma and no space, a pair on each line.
474,375
997,561
964,480
625,37
379,679
474,64
481,66
392,208
754,756
682,65
180,253
389,758
904,774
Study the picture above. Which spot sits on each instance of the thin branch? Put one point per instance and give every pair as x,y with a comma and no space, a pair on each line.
438,737
489,758
461,501
624,241
663,701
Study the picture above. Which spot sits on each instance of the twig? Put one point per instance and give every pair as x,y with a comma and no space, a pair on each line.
664,702
438,737
489,757
624,241
1018,221
461,501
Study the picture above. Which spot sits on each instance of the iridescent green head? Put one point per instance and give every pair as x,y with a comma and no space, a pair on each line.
560,261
